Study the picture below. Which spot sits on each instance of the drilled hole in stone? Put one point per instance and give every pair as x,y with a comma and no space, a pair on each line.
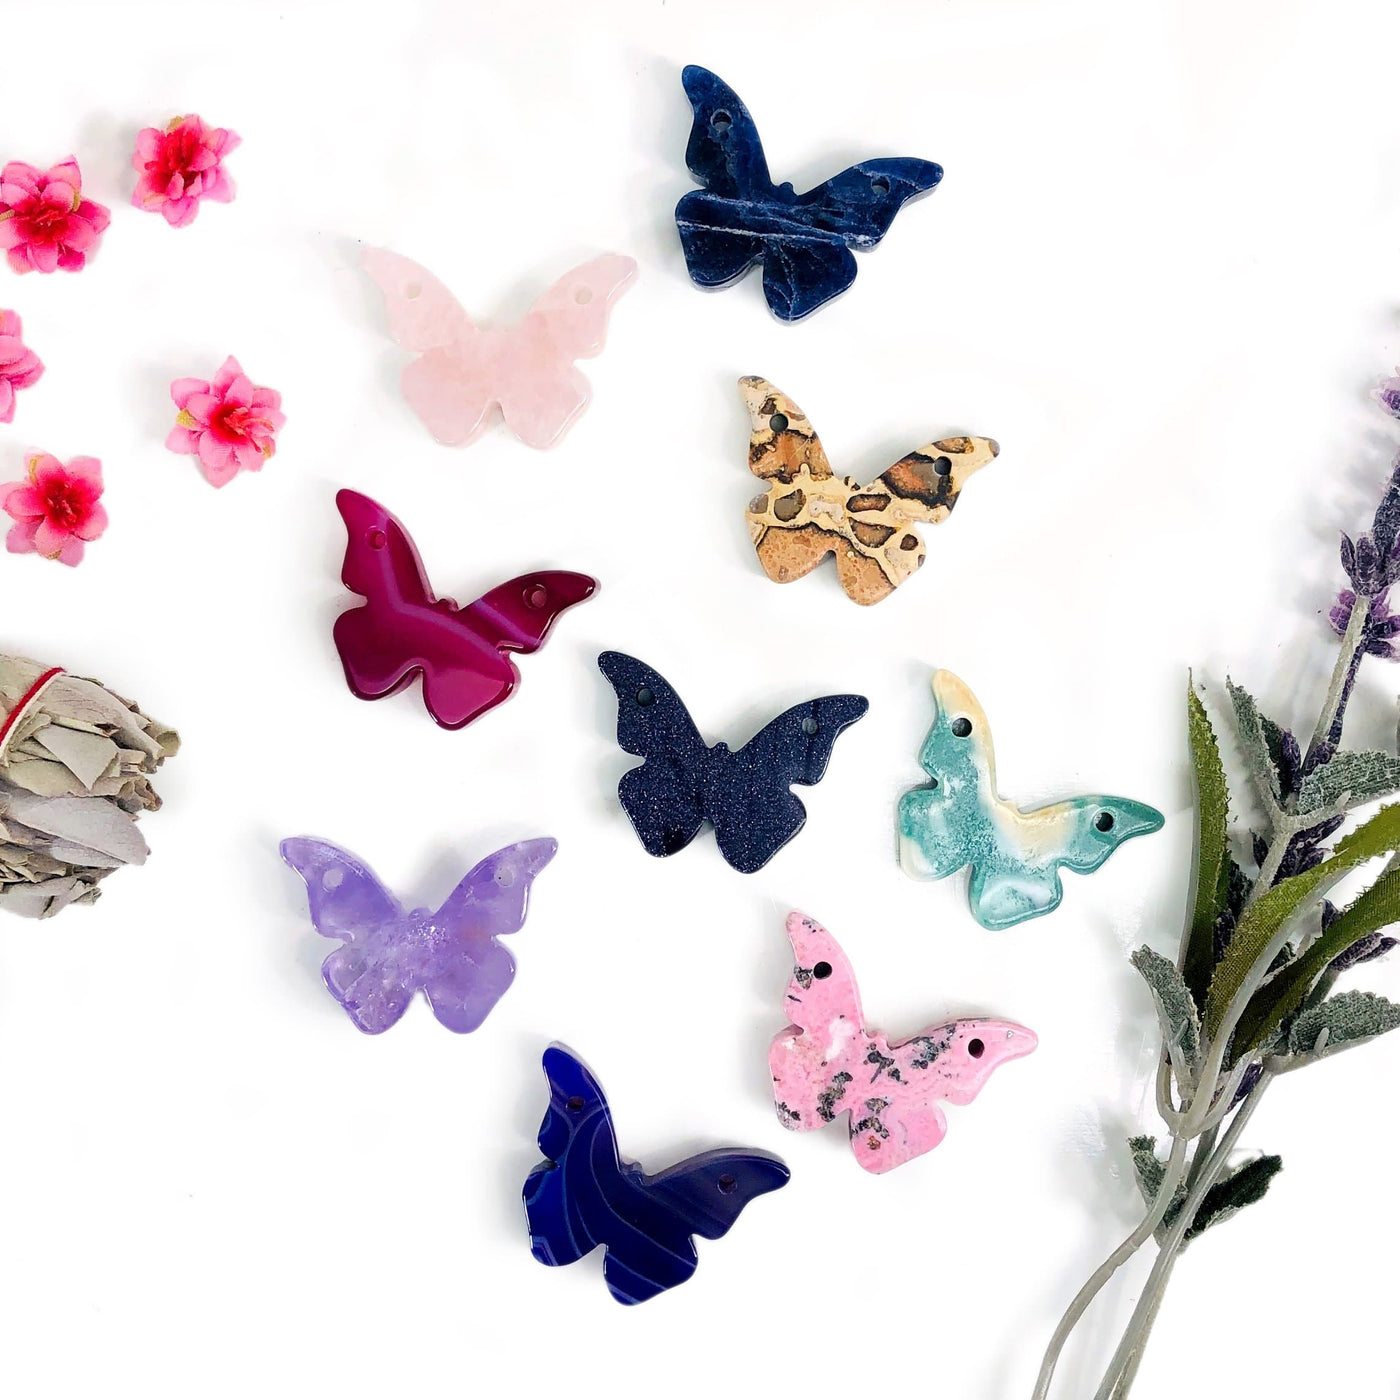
721,121
962,727
413,291
575,1104
536,596
378,539
332,879
975,1048
645,696
727,1184
584,295
880,185
810,726
1104,821
505,876
778,422
942,466
822,971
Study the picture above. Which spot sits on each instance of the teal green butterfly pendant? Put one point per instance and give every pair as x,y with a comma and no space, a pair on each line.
959,819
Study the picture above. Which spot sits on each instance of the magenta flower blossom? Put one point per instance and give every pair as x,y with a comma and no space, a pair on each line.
57,510
45,223
180,166
19,365
230,425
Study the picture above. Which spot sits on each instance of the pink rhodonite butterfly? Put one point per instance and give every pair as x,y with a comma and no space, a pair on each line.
528,369
827,1064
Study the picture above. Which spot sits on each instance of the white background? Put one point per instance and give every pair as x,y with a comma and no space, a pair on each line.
1162,270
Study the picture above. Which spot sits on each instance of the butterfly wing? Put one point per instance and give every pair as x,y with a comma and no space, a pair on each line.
566,1196
956,819
861,202
815,1059
519,614
541,391
888,1131
664,797
451,385
754,812
488,903
808,262
348,902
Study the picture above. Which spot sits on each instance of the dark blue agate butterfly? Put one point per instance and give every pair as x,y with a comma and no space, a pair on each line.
584,1195
745,792
741,217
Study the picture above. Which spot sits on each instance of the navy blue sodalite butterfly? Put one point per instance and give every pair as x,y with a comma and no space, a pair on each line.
584,1195
745,792
741,217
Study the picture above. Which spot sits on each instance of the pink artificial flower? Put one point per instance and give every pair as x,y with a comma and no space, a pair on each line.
230,425
19,365
45,223
57,509
180,166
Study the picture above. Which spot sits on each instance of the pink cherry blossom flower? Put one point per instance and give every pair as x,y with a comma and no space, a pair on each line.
45,223
57,509
19,365
230,425
180,166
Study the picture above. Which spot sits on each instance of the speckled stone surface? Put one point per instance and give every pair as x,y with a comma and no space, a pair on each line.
741,217
960,819
584,1195
684,782
808,511
827,1065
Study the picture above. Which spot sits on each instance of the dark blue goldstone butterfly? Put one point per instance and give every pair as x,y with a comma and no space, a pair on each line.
745,792
741,217
584,1195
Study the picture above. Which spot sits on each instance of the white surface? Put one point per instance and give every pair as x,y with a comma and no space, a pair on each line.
1161,270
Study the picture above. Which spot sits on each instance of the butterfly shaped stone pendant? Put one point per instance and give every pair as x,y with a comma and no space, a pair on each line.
808,511
960,819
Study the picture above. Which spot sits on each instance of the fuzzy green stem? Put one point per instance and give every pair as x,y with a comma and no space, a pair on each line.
1175,1170
1135,1337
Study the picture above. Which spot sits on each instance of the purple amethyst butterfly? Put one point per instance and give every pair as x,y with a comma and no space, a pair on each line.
387,953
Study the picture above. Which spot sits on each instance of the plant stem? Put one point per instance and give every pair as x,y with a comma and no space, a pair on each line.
1135,1337
1329,724
1171,1179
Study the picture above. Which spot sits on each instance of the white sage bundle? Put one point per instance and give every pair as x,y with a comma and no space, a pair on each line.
75,766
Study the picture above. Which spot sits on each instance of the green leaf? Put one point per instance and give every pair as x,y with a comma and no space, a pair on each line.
1233,1193
1212,870
1262,920
1281,996
1176,1011
1250,724
1147,1166
1347,1017
1348,779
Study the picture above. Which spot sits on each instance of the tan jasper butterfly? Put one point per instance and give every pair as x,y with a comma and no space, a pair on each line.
808,512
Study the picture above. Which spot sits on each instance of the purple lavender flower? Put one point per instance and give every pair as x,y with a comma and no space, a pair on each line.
1372,560
1382,625
1387,394
1374,945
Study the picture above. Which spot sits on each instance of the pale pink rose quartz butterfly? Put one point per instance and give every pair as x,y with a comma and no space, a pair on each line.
463,369
826,1064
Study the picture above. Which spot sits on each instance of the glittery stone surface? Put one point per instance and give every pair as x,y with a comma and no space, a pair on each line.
387,953
403,630
741,217
684,782
463,369
584,1195
826,1065
960,819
